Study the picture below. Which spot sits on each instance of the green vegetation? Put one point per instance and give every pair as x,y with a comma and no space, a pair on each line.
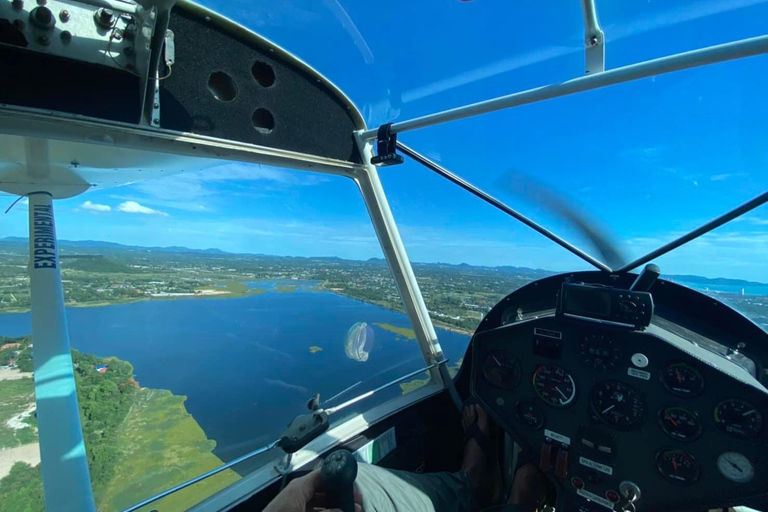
161,445
138,441
96,274
97,265
236,287
21,355
314,349
403,333
413,385
22,489
16,398
105,399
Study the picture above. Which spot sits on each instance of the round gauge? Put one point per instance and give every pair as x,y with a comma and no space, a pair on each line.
618,404
599,351
678,466
554,385
683,379
680,423
738,418
736,467
501,369
529,414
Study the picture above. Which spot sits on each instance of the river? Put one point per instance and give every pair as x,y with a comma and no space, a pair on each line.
245,363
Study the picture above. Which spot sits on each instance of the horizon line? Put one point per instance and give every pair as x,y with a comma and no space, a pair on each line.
381,258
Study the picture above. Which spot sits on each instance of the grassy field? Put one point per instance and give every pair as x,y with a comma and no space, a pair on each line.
161,445
16,396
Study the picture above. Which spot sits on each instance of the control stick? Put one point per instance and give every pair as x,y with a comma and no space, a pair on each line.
338,476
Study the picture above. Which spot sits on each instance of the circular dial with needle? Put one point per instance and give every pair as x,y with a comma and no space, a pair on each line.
678,466
680,423
683,379
554,385
618,404
599,351
501,369
738,418
736,467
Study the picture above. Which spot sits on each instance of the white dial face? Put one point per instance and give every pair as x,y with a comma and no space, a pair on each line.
735,467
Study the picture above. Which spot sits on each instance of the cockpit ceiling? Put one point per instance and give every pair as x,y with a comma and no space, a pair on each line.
218,80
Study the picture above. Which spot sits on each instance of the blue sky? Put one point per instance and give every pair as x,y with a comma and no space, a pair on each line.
648,160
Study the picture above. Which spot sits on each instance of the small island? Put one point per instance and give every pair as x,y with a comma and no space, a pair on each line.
413,385
402,332
313,349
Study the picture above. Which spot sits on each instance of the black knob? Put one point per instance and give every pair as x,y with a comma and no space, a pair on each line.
104,17
42,17
338,475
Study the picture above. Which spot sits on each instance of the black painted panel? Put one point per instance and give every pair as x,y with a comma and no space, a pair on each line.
307,117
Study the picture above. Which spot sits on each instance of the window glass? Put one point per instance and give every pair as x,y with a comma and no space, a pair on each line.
415,58
739,251
467,255
641,163
205,310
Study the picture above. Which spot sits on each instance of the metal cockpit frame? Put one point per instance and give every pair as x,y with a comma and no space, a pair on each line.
65,470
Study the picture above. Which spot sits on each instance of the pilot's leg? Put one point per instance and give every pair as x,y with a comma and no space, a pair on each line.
386,490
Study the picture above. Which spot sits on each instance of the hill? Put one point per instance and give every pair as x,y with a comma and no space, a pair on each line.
113,248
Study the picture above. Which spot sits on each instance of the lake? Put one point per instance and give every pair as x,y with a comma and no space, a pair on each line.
245,364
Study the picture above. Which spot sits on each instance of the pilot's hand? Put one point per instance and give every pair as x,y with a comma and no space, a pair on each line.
304,495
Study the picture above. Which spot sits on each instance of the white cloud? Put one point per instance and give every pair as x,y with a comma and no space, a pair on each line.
720,177
95,207
134,207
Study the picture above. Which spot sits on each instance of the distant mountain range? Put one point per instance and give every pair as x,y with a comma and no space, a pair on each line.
534,272
713,281
113,245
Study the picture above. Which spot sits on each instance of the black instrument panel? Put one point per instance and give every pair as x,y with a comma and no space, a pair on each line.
600,406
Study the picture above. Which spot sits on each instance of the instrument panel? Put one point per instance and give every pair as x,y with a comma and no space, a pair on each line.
614,414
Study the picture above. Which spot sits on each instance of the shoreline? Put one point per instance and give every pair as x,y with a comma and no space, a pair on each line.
441,325
239,295
123,302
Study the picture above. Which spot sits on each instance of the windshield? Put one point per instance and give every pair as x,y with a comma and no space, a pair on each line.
205,310
644,161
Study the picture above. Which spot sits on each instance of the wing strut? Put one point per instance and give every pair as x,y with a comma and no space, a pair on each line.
66,480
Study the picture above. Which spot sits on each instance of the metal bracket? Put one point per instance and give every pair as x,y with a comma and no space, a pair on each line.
170,48
304,429
386,147
156,104
594,39
285,467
